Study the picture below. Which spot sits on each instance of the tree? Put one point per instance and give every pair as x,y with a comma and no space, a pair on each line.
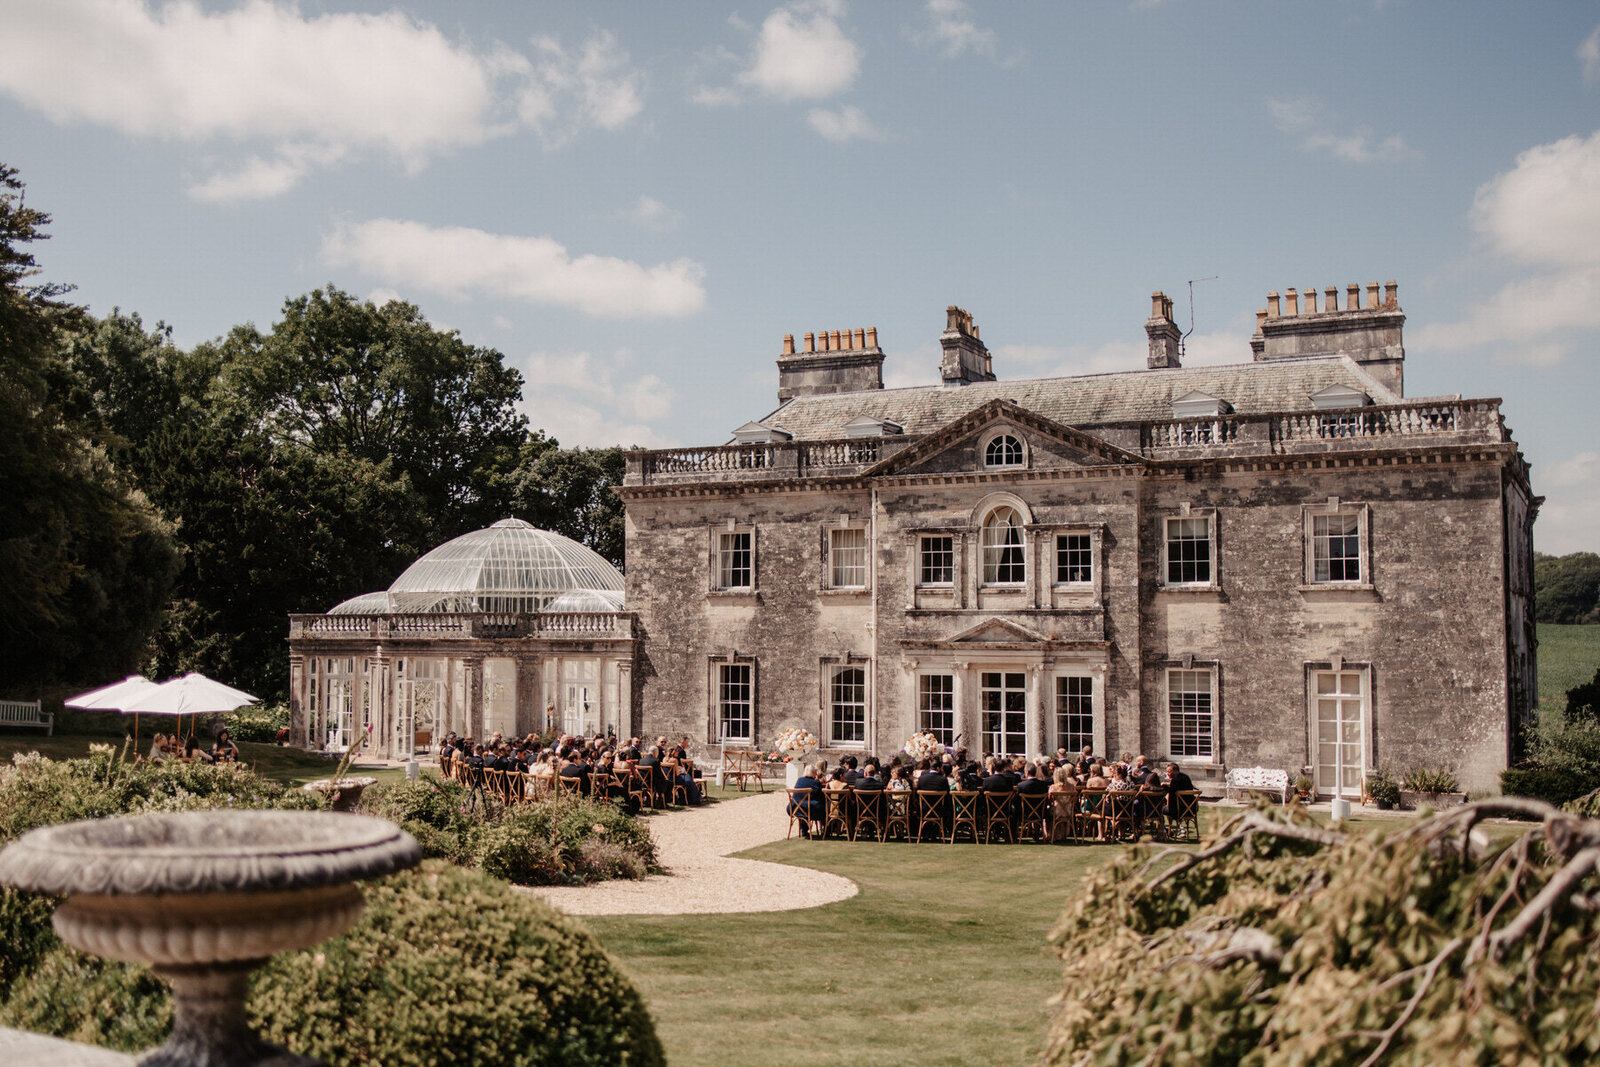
1566,589
85,562
570,491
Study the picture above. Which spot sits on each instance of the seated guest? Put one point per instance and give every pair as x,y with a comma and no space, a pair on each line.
998,781
848,766
1119,781
193,751
1086,761
868,779
158,748
809,806
656,776
1098,778
899,781
224,750
1017,770
1034,784
578,769
929,778
1141,774
1178,783
836,782
970,776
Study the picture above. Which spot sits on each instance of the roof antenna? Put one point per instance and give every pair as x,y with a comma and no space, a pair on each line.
1185,337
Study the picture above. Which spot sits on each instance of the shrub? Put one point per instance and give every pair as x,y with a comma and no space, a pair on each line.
1541,783
599,859
448,812
1587,805
1583,701
1422,780
1331,948
517,849
445,967
256,722
1382,787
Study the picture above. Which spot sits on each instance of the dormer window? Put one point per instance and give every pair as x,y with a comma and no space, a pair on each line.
757,433
1003,451
867,426
1198,405
1339,396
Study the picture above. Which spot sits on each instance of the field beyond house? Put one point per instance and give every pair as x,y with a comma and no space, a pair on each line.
1568,657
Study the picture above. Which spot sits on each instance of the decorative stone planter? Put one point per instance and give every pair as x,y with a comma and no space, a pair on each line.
1411,801
204,898
791,773
346,791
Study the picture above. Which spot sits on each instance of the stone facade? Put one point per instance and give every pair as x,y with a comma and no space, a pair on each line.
1284,563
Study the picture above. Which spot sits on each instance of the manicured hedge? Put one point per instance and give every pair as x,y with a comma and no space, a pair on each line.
447,966
1551,786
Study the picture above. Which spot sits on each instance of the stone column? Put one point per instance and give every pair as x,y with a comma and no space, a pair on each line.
470,722
297,699
381,679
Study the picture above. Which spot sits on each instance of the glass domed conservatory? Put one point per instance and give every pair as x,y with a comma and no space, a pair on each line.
509,629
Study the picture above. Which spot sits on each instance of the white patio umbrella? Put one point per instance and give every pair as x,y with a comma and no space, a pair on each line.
192,694
114,697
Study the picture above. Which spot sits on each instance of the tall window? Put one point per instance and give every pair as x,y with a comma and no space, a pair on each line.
733,560
1004,560
936,706
936,560
1004,702
847,555
1074,712
1337,707
1189,551
1074,559
847,706
1003,451
735,704
1336,547
1191,718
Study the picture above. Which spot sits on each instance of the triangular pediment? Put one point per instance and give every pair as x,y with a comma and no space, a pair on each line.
1195,404
867,426
760,433
1050,444
997,632
1339,396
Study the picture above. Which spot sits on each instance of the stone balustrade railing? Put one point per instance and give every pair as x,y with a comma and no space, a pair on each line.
463,625
781,459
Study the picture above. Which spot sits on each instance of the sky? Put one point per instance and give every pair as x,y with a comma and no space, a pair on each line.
635,202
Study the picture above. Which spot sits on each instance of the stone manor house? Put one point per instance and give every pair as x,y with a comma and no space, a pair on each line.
1283,563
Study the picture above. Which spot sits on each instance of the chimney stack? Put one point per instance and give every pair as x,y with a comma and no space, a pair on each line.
1165,338
832,361
1368,332
966,359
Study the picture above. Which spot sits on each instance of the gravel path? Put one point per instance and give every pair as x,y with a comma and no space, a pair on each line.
693,846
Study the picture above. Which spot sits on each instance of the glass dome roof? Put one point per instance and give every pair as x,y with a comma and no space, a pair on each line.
511,566
586,600
365,604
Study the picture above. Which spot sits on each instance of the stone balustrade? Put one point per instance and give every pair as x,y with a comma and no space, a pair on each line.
443,626
757,462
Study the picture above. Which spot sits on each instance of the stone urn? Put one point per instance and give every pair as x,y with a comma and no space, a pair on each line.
346,792
204,898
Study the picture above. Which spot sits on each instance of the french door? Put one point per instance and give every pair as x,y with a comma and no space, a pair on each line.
1338,702
1003,704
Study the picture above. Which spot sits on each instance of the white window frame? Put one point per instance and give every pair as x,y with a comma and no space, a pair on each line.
955,700
720,670
1214,757
922,553
984,547
1209,517
991,438
1097,727
1362,515
1364,674
1094,562
831,673
721,538
1029,702
836,577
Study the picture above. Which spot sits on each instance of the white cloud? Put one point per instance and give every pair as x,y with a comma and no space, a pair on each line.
1571,510
460,262
950,27
1589,53
848,123
590,86
802,53
292,92
1543,214
1298,117
382,295
592,402
650,212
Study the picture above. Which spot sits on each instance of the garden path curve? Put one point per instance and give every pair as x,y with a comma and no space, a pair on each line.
693,845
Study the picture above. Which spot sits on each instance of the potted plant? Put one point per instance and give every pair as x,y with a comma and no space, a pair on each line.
1382,789
1434,787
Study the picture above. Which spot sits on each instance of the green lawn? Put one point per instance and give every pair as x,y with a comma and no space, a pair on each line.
1568,656
288,765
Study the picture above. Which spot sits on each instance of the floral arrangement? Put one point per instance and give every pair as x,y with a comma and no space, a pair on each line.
924,746
795,742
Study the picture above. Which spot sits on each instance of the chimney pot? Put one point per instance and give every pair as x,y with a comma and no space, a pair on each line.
788,344
811,341
1311,300
1352,296
1372,296
833,340
1332,301
872,337
1272,306
1157,299
1291,299
1261,317
861,338
1391,294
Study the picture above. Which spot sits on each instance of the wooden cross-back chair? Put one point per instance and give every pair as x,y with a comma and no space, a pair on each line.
964,811
899,811
933,807
836,812
1033,813
868,804
995,814
1063,816
799,809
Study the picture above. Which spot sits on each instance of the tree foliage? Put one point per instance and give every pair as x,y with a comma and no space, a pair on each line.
85,562
1280,942
1566,589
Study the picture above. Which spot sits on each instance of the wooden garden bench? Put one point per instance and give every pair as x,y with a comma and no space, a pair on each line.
26,713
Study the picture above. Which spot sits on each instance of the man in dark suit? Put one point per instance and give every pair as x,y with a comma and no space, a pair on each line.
868,780
654,773
929,779
1034,784
578,768
851,775
1178,806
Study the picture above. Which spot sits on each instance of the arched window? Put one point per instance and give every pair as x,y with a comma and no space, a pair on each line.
1003,451
1004,560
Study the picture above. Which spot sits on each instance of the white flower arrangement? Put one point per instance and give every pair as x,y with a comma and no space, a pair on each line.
795,742
924,746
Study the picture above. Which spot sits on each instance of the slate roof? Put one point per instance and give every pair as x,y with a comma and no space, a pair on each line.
1089,400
